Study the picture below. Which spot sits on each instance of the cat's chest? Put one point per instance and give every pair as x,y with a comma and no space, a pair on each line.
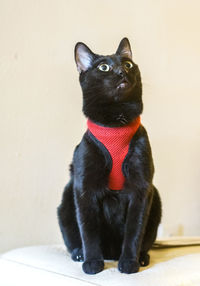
114,207
115,143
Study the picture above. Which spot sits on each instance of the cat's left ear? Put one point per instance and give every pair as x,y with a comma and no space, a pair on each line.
83,57
124,49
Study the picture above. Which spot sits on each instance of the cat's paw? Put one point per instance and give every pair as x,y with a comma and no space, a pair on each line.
77,254
128,265
93,266
144,259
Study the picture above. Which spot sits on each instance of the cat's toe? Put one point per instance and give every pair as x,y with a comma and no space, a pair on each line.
93,266
77,254
144,259
128,266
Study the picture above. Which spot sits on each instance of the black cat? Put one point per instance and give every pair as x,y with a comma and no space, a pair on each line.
98,222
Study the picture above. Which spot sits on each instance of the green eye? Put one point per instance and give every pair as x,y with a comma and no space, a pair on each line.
128,64
104,67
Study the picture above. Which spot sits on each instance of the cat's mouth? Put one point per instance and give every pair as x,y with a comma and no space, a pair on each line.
123,84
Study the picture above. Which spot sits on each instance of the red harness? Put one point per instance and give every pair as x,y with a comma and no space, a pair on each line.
116,140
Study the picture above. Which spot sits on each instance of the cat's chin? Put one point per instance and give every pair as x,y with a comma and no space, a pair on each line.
123,93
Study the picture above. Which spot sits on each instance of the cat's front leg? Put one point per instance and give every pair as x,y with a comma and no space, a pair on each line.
88,221
137,215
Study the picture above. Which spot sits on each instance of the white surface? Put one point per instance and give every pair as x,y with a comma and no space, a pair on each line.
51,265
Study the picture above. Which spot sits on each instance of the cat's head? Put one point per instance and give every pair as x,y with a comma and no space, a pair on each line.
111,85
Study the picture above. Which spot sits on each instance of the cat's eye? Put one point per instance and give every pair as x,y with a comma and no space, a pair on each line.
128,64
104,67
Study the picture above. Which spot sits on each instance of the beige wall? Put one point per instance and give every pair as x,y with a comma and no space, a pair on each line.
40,110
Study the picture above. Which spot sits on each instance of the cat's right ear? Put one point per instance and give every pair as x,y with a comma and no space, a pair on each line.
83,57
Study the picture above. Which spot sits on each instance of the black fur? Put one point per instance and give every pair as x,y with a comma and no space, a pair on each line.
98,223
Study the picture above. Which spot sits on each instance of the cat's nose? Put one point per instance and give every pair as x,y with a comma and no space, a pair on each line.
121,72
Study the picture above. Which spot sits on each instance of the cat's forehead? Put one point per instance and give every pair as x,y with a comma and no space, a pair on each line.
110,59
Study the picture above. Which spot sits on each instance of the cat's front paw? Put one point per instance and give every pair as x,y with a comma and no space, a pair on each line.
77,254
128,265
144,259
93,266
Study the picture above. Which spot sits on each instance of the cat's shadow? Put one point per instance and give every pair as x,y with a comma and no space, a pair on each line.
160,255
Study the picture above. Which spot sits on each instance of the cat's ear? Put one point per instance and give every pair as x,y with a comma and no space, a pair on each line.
124,49
83,57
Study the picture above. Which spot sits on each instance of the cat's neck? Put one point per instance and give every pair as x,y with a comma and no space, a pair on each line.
115,114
